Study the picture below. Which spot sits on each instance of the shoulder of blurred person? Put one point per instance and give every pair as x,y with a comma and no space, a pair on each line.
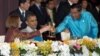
96,13
17,12
64,4
34,8
89,7
90,16
31,8
84,12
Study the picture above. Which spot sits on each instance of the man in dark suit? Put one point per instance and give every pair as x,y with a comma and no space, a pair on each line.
40,13
22,12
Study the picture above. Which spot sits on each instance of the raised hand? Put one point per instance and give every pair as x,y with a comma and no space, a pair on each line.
45,28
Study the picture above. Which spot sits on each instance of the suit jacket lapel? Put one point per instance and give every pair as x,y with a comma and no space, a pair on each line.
39,10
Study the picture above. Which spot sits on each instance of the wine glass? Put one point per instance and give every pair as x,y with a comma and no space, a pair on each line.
52,34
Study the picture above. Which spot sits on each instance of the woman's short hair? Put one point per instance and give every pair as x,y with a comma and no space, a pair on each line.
12,21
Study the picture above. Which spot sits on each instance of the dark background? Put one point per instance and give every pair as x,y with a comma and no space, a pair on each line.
5,7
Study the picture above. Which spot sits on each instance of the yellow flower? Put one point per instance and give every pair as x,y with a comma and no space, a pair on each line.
14,45
44,47
14,49
90,43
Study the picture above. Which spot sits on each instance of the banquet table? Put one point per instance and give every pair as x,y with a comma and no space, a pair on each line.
79,47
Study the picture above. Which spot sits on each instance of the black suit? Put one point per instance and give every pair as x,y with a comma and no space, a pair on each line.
40,14
61,12
23,19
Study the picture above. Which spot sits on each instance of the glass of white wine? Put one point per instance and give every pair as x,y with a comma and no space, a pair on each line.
52,34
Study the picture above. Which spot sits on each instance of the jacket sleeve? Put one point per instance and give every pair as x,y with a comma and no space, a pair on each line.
62,25
94,26
13,33
25,35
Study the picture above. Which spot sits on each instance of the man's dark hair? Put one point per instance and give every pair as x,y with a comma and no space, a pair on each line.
29,15
78,6
48,1
21,1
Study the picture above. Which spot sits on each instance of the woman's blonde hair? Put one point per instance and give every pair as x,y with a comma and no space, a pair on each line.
12,21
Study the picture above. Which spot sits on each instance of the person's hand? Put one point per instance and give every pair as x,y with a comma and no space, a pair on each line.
44,29
67,31
52,29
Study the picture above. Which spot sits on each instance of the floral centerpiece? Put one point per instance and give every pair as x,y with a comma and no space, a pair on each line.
80,47
28,48
24,48
89,43
44,48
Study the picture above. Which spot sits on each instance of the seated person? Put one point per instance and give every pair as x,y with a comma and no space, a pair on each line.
13,32
31,26
79,23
